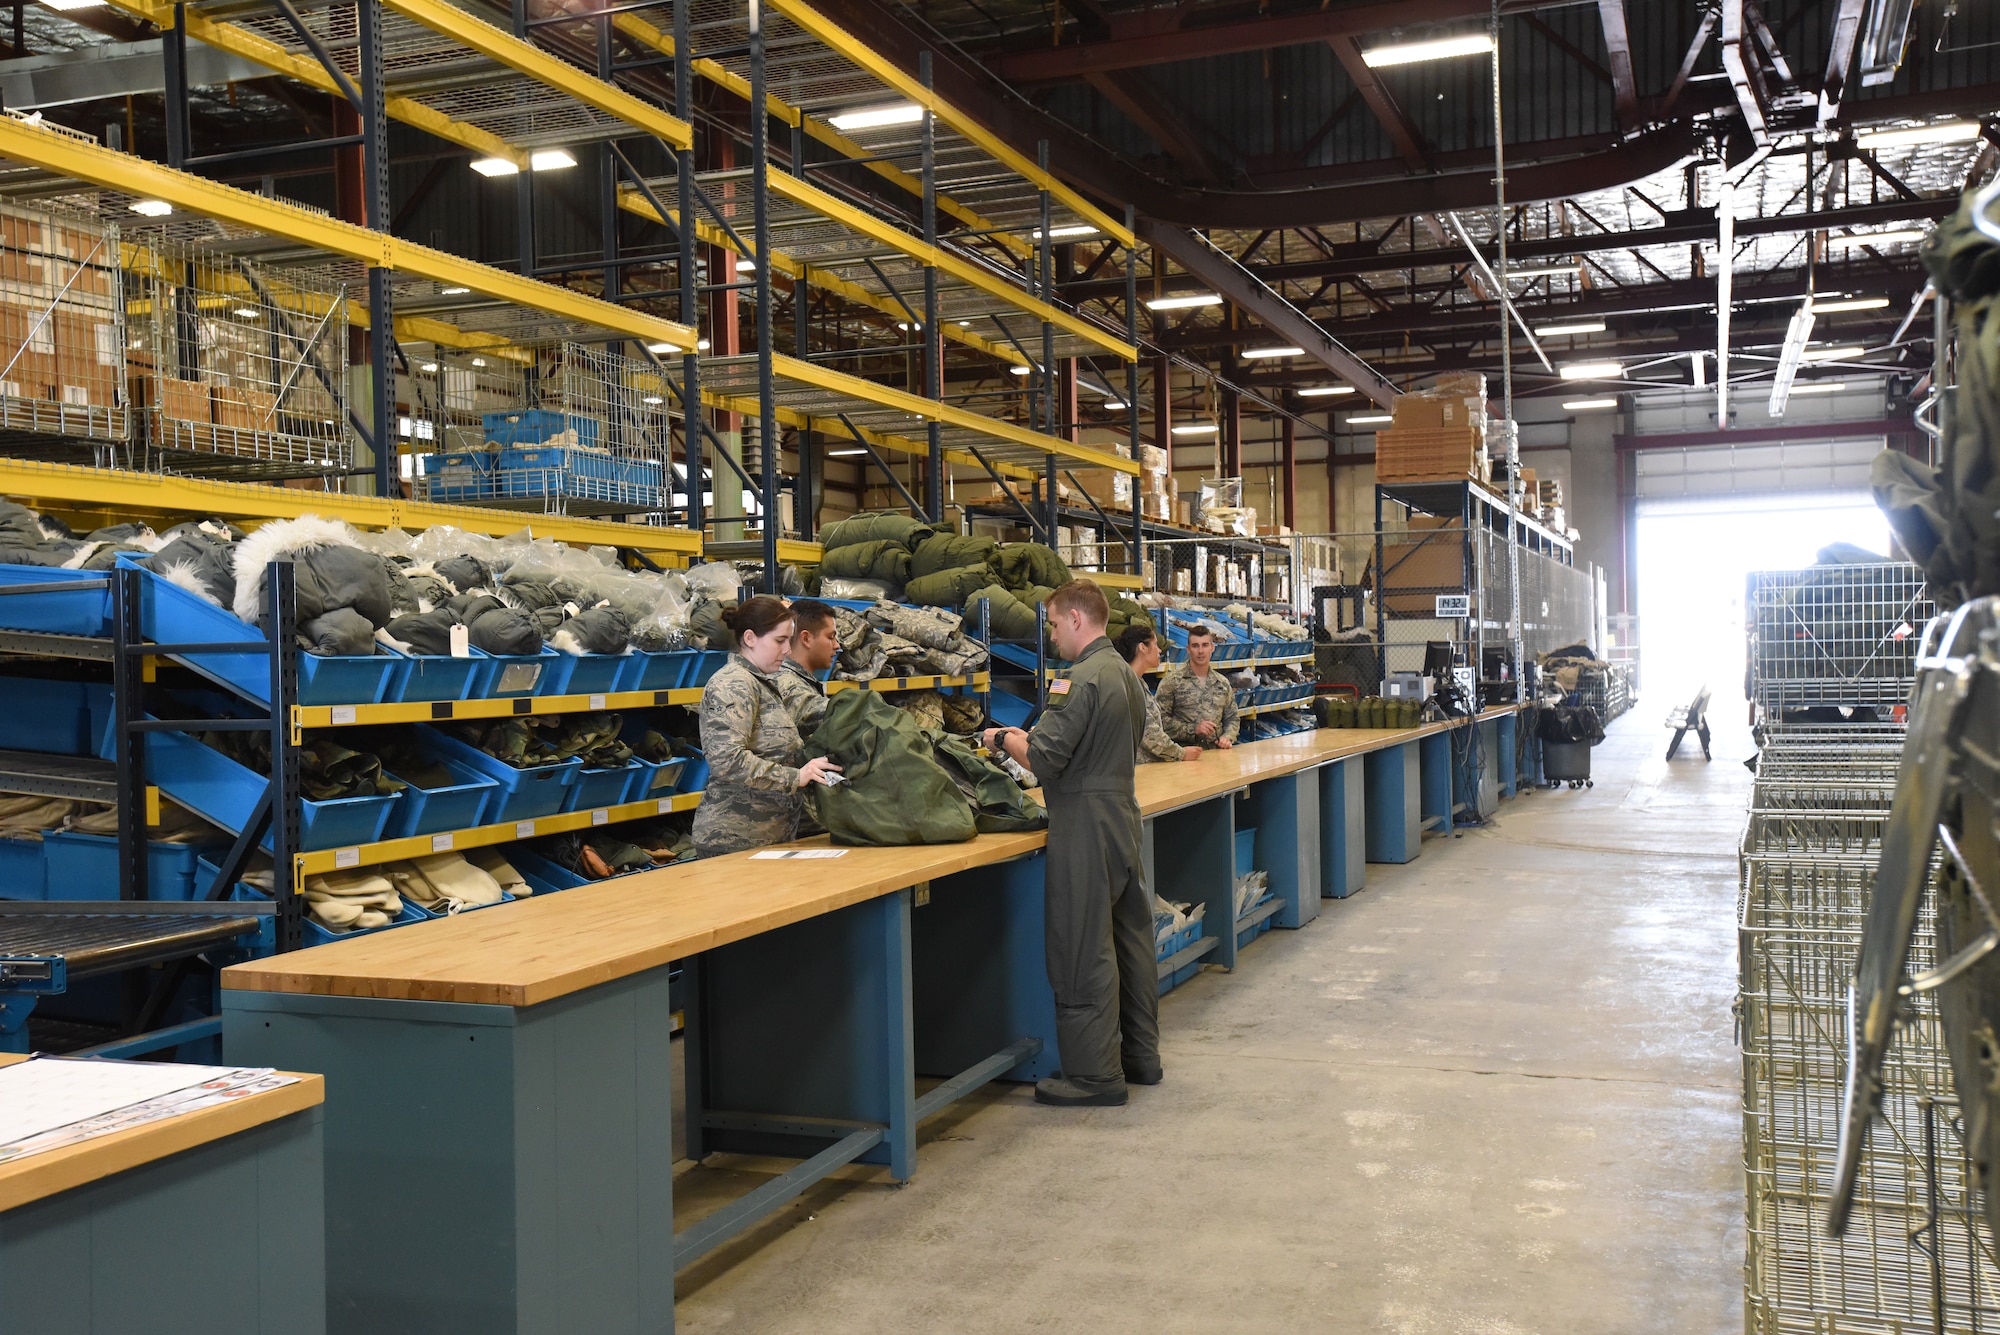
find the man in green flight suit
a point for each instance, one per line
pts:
(1102, 963)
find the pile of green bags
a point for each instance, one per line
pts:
(938, 569)
(1334, 711)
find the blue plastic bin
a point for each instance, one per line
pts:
(209, 783)
(23, 868)
(83, 610)
(519, 794)
(507, 675)
(584, 674)
(535, 425)
(461, 476)
(85, 866)
(650, 780)
(52, 717)
(1246, 851)
(707, 663)
(694, 772)
(599, 788)
(543, 876)
(427, 677)
(646, 671)
(442, 810)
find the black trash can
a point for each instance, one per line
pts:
(1566, 762)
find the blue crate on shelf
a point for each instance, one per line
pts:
(23, 868)
(694, 772)
(599, 788)
(1246, 935)
(54, 717)
(505, 675)
(457, 806)
(534, 425)
(648, 671)
(707, 663)
(652, 780)
(542, 875)
(85, 866)
(214, 786)
(584, 674)
(519, 794)
(465, 475)
(420, 678)
(1246, 851)
(82, 610)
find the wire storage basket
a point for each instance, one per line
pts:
(1835, 634)
(242, 368)
(62, 330)
(1916, 1256)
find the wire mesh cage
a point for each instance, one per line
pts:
(568, 429)
(62, 328)
(1835, 635)
(1916, 1255)
(241, 369)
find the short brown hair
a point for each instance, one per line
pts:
(1199, 631)
(1082, 595)
(811, 615)
(759, 616)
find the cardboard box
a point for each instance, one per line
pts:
(185, 400)
(1107, 487)
(1414, 412)
(1409, 455)
(1184, 513)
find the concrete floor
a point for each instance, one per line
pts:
(1495, 1092)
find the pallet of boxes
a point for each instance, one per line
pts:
(1438, 435)
(1549, 504)
(62, 344)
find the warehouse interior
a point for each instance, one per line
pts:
(1367, 630)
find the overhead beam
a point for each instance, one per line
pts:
(1746, 70)
(1126, 90)
(1618, 44)
(1258, 301)
(82, 159)
(1409, 144)
(1840, 57)
(115, 69)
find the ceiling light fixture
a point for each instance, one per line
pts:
(1443, 48)
(1576, 327)
(1261, 354)
(496, 166)
(1848, 304)
(1845, 352)
(1185, 302)
(701, 345)
(150, 208)
(1020, 370)
(1593, 371)
(1894, 236)
(1798, 334)
(1546, 271)
(1944, 132)
(746, 266)
(1585, 405)
(844, 454)
(479, 361)
(453, 291)
(551, 159)
(428, 367)
(1196, 429)
(1325, 391)
(874, 118)
(1113, 406)
(1820, 387)
(1058, 233)
(1370, 419)
(654, 400)
(64, 6)
(248, 313)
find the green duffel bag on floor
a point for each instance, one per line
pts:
(856, 529)
(1000, 806)
(879, 558)
(949, 551)
(947, 588)
(895, 791)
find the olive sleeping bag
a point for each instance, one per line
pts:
(1026, 564)
(879, 558)
(894, 791)
(949, 551)
(947, 588)
(897, 528)
(1008, 617)
(1000, 806)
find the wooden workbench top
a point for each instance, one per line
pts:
(39, 1176)
(530, 952)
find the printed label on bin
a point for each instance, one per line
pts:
(597, 702)
(524, 829)
(600, 817)
(440, 843)
(519, 677)
(346, 857)
(342, 714)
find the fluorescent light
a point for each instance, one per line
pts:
(1546, 271)
(67, 5)
(746, 266)
(453, 291)
(1579, 327)
(906, 327)
(248, 313)
(1184, 303)
(1410, 53)
(965, 324)
(1020, 370)
(1840, 354)
(701, 345)
(1593, 371)
(1058, 233)
(844, 454)
(496, 166)
(550, 159)
(428, 366)
(1849, 304)
(1325, 391)
(1113, 406)
(659, 347)
(1581, 405)
(1258, 354)
(1820, 387)
(871, 118)
(1944, 132)
(655, 400)
(1196, 429)
(479, 361)
(151, 208)
(1888, 238)
(1370, 419)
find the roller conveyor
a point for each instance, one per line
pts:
(45, 946)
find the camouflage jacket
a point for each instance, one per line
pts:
(805, 695)
(754, 753)
(1185, 700)
(1156, 745)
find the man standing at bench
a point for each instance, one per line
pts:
(1103, 966)
(1197, 703)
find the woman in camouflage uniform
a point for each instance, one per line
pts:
(757, 769)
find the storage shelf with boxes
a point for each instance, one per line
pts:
(1438, 434)
(62, 334)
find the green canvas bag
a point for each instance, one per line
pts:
(895, 792)
(1000, 806)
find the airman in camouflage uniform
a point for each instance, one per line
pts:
(1155, 745)
(1187, 700)
(754, 753)
(804, 694)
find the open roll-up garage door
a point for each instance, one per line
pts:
(1762, 469)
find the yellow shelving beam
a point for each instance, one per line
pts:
(84, 160)
(485, 836)
(126, 495)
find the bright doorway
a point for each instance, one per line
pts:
(1692, 559)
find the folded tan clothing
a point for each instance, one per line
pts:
(444, 883)
(177, 824)
(32, 815)
(494, 863)
(352, 900)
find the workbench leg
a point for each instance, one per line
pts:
(1343, 820)
(806, 1037)
(15, 1008)
(1285, 813)
(1503, 753)
(1435, 766)
(1474, 784)
(1194, 856)
(1395, 828)
(488, 1168)
(980, 971)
